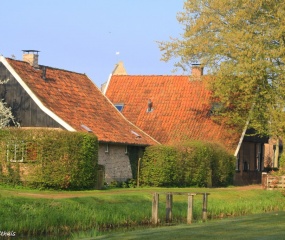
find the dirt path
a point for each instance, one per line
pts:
(73, 194)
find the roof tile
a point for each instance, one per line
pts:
(74, 98)
(181, 108)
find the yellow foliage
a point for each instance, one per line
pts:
(242, 45)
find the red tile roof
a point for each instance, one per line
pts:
(180, 108)
(74, 98)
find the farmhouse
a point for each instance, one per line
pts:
(177, 108)
(42, 96)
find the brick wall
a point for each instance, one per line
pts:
(116, 162)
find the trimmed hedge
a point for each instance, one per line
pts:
(194, 163)
(48, 158)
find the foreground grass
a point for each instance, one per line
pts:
(33, 213)
(258, 226)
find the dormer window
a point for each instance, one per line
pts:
(119, 106)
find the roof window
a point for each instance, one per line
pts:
(86, 128)
(136, 134)
(119, 106)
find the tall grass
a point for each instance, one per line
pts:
(111, 209)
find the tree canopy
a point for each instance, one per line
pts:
(6, 115)
(242, 45)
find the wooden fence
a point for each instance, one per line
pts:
(169, 203)
(271, 182)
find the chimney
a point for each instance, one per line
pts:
(119, 69)
(31, 57)
(44, 73)
(197, 70)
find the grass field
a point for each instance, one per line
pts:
(258, 226)
(89, 213)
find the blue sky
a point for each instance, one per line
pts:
(85, 35)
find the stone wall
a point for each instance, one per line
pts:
(116, 162)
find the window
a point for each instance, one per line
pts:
(119, 106)
(237, 161)
(216, 108)
(245, 166)
(15, 152)
(20, 151)
(107, 148)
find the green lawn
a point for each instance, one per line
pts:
(83, 214)
(257, 226)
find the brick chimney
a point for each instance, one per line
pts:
(197, 70)
(31, 57)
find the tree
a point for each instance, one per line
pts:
(6, 116)
(242, 44)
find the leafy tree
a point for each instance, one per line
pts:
(242, 44)
(6, 116)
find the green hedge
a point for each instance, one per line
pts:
(48, 158)
(188, 164)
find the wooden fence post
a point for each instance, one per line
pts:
(204, 209)
(190, 208)
(155, 202)
(169, 201)
(264, 180)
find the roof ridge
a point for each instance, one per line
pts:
(40, 65)
(61, 69)
(77, 103)
(152, 75)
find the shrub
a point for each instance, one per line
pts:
(158, 164)
(49, 158)
(192, 163)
